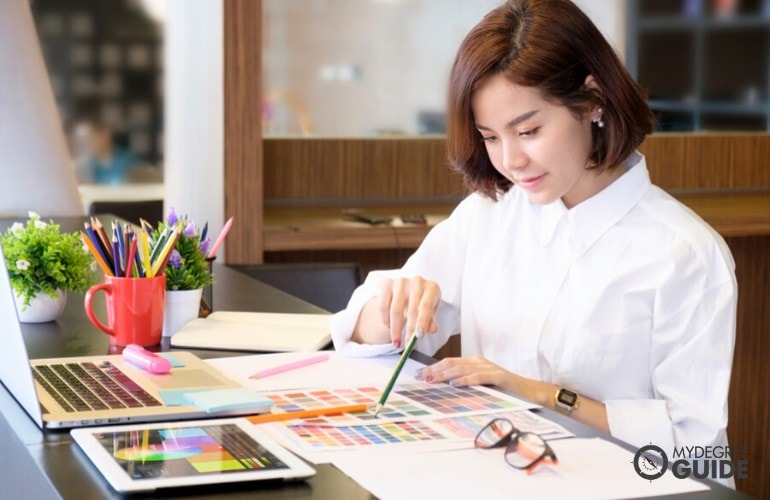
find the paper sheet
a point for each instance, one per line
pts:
(587, 469)
(338, 372)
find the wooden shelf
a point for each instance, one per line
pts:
(733, 213)
(327, 228)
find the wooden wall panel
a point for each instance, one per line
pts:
(243, 129)
(326, 170)
(709, 161)
(749, 402)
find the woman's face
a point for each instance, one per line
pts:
(540, 146)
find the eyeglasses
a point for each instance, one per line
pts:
(523, 450)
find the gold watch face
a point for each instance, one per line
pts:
(567, 398)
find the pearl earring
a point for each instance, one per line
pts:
(597, 118)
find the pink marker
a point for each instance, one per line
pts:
(142, 358)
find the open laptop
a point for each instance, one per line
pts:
(97, 390)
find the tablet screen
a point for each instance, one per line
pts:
(186, 451)
(151, 456)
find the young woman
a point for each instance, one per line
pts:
(573, 281)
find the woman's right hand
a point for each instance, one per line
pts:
(410, 302)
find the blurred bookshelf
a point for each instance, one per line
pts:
(105, 62)
(704, 63)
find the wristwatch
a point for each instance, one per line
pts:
(565, 401)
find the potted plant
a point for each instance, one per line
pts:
(187, 272)
(43, 264)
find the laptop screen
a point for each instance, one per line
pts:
(15, 371)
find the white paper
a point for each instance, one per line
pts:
(338, 372)
(587, 469)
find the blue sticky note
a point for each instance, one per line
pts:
(177, 397)
(175, 363)
(219, 400)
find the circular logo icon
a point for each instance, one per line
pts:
(650, 462)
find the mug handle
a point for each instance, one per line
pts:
(106, 288)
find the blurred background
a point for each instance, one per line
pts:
(379, 67)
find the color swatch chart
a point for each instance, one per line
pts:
(441, 433)
(406, 402)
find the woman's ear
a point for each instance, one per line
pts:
(590, 82)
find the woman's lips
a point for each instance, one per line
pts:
(530, 182)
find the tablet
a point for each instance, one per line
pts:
(146, 457)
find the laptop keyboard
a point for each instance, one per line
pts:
(88, 386)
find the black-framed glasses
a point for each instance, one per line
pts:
(523, 450)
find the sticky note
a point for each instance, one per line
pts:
(220, 400)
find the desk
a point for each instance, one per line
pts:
(47, 464)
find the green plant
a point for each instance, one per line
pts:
(42, 259)
(187, 268)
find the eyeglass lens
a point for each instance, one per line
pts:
(524, 450)
(495, 433)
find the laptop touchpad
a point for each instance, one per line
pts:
(187, 379)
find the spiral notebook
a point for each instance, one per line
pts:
(256, 331)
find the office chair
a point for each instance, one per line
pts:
(326, 285)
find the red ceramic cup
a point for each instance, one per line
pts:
(134, 309)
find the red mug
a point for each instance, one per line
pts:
(134, 309)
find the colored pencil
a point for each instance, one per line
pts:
(221, 238)
(131, 256)
(407, 351)
(291, 366)
(160, 263)
(317, 412)
(96, 253)
(116, 257)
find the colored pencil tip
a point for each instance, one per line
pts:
(378, 409)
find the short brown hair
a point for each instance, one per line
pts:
(553, 46)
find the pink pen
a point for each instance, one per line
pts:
(142, 358)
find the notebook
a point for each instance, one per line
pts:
(256, 331)
(93, 390)
(147, 457)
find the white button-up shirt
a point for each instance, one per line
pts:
(628, 298)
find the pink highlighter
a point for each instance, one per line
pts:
(142, 358)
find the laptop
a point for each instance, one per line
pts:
(63, 393)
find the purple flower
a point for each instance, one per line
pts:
(205, 245)
(172, 217)
(189, 231)
(175, 260)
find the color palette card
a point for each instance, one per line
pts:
(406, 402)
(421, 435)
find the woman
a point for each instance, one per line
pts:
(573, 282)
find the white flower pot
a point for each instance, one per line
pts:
(42, 308)
(179, 308)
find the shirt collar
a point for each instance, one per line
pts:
(593, 217)
(590, 219)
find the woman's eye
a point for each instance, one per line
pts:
(530, 132)
(489, 139)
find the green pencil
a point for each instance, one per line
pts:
(407, 351)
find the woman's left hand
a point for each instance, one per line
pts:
(474, 370)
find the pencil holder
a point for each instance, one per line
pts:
(207, 299)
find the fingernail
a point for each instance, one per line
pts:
(397, 343)
(418, 374)
(429, 378)
(419, 333)
(454, 382)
